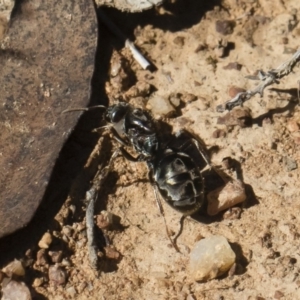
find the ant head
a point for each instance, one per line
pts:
(117, 112)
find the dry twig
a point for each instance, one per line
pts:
(267, 79)
(137, 55)
(91, 197)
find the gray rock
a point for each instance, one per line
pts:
(210, 258)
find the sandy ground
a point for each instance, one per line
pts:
(192, 62)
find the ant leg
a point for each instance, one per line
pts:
(121, 141)
(128, 156)
(183, 217)
(161, 210)
(202, 151)
(117, 137)
(207, 160)
(192, 140)
(195, 142)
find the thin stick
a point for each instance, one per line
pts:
(268, 78)
(137, 55)
(91, 197)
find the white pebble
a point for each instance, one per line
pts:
(210, 258)
(160, 107)
(15, 290)
(45, 241)
(14, 268)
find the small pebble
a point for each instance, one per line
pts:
(160, 106)
(200, 47)
(210, 258)
(284, 40)
(90, 286)
(141, 89)
(234, 90)
(104, 220)
(222, 198)
(81, 226)
(66, 262)
(14, 268)
(219, 133)
(28, 253)
(225, 27)
(233, 213)
(211, 41)
(188, 98)
(278, 295)
(290, 163)
(289, 50)
(232, 270)
(233, 66)
(81, 287)
(219, 52)
(175, 99)
(45, 241)
(2, 276)
(292, 126)
(15, 291)
(111, 252)
(67, 230)
(72, 208)
(57, 275)
(71, 291)
(38, 282)
(190, 297)
(296, 137)
(41, 257)
(115, 67)
(56, 256)
(179, 41)
(240, 116)
(81, 242)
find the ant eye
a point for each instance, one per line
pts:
(137, 112)
(140, 114)
(116, 114)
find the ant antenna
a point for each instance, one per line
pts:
(83, 109)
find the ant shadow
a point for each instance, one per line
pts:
(241, 264)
